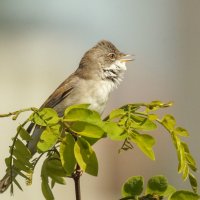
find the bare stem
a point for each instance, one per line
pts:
(15, 114)
(76, 176)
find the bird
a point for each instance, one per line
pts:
(100, 71)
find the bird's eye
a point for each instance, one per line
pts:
(111, 56)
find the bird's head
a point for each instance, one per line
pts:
(104, 61)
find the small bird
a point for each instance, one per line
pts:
(101, 69)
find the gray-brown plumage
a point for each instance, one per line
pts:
(100, 71)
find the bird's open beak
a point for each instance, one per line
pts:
(126, 58)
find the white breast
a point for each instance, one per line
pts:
(93, 92)
(96, 93)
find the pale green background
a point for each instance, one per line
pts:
(41, 43)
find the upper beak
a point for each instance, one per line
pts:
(126, 58)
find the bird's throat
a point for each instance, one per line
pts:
(114, 72)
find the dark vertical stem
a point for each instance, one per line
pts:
(76, 177)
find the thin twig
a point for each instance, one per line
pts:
(15, 114)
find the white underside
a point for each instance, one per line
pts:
(92, 92)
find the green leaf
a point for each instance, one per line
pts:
(117, 113)
(152, 117)
(181, 158)
(75, 106)
(7, 162)
(169, 122)
(185, 146)
(85, 122)
(142, 123)
(114, 131)
(17, 184)
(45, 117)
(180, 152)
(57, 179)
(184, 195)
(185, 172)
(52, 183)
(20, 165)
(23, 133)
(157, 185)
(123, 121)
(155, 105)
(17, 171)
(11, 189)
(86, 157)
(191, 162)
(87, 129)
(49, 137)
(189, 158)
(67, 154)
(181, 131)
(184, 158)
(193, 182)
(145, 143)
(133, 186)
(46, 190)
(176, 141)
(82, 115)
(19, 156)
(92, 141)
(169, 191)
(54, 166)
(20, 147)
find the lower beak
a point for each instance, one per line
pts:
(126, 58)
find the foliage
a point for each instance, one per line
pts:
(67, 144)
(157, 189)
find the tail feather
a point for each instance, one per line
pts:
(5, 183)
(32, 144)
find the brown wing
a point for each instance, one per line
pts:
(61, 92)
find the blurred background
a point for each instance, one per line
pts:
(42, 42)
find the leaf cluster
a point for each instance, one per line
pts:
(157, 188)
(137, 119)
(185, 158)
(67, 144)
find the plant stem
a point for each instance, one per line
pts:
(15, 114)
(76, 176)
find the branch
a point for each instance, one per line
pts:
(15, 114)
(76, 176)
